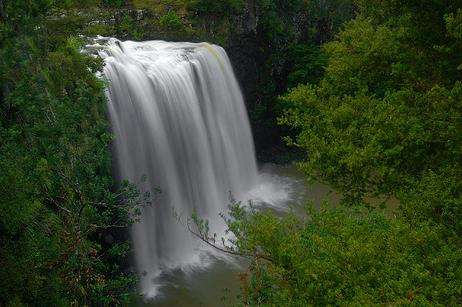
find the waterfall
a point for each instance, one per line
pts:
(180, 122)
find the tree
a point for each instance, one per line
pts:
(58, 201)
(387, 110)
(344, 255)
(385, 118)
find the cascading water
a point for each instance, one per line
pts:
(179, 120)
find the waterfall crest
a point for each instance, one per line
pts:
(180, 121)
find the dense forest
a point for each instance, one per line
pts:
(364, 95)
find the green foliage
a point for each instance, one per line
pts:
(347, 256)
(437, 195)
(289, 37)
(384, 113)
(212, 8)
(58, 199)
(308, 64)
(114, 3)
(129, 27)
(385, 118)
(171, 21)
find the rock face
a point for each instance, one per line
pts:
(242, 49)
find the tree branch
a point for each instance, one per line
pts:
(206, 240)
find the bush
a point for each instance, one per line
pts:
(344, 255)
(171, 21)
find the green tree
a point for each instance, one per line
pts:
(385, 119)
(62, 219)
(289, 36)
(387, 110)
(345, 256)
